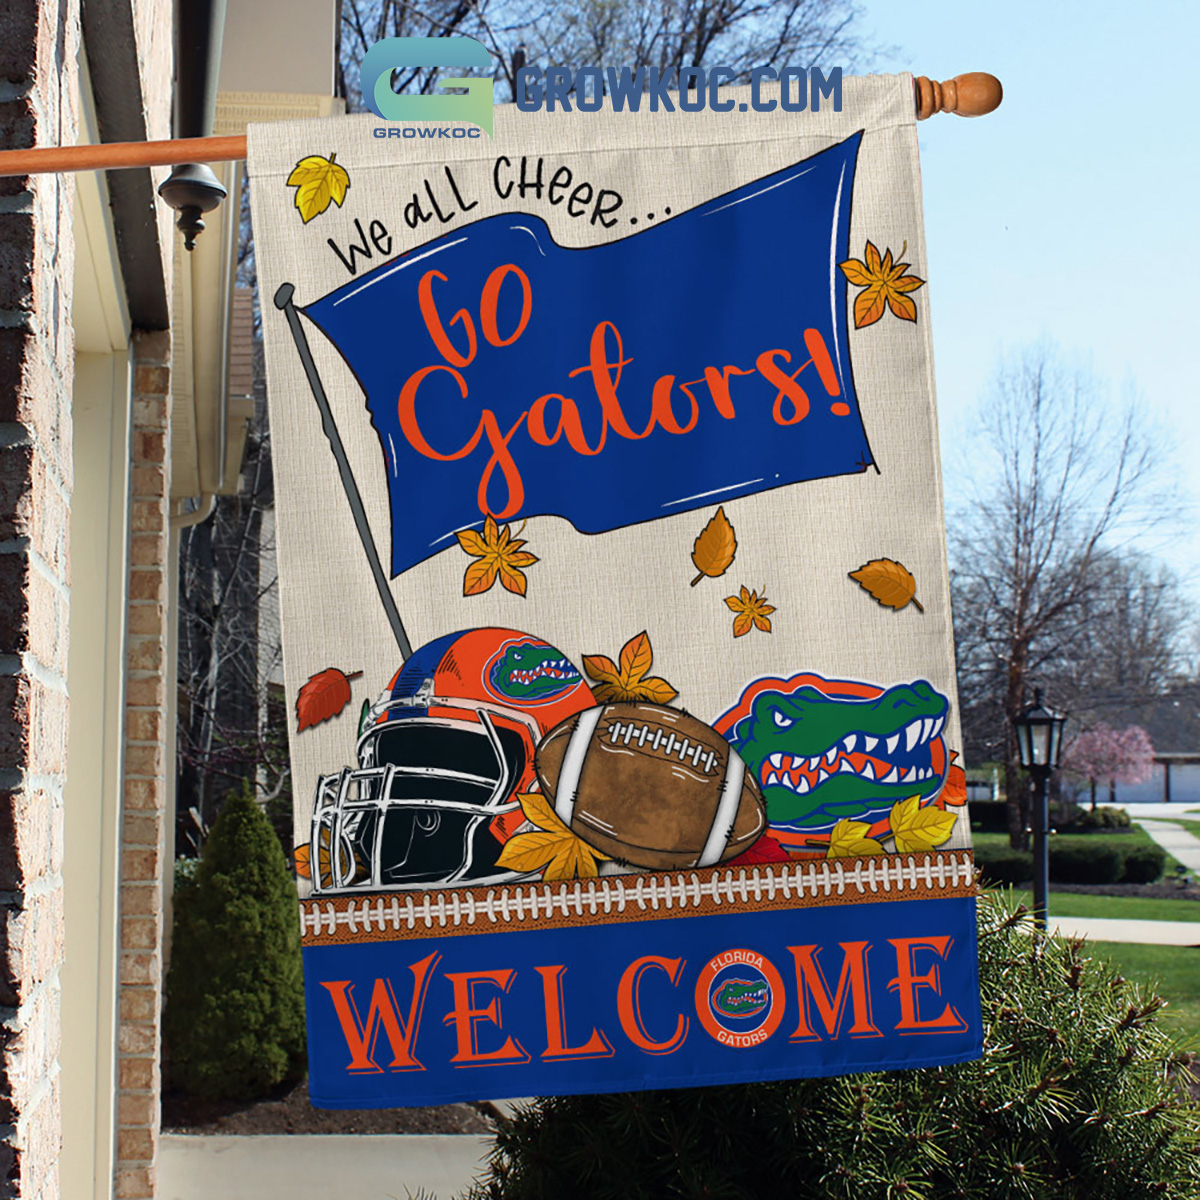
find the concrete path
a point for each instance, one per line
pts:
(1112, 929)
(1174, 839)
(319, 1167)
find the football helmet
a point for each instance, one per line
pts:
(442, 755)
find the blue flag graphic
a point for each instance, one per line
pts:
(700, 358)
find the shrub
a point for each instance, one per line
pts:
(1066, 814)
(1143, 864)
(1002, 864)
(1073, 1098)
(234, 1020)
(989, 816)
(1085, 862)
(1104, 817)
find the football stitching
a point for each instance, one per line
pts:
(624, 732)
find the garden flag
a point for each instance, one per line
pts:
(617, 642)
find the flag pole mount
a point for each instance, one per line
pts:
(283, 301)
(974, 94)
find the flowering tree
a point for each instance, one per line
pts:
(1124, 756)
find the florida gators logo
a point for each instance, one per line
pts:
(529, 671)
(739, 999)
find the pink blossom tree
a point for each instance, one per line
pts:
(1104, 753)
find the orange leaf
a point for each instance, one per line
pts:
(601, 668)
(714, 549)
(753, 612)
(636, 658)
(902, 306)
(499, 555)
(322, 697)
(889, 582)
(479, 577)
(869, 306)
(742, 624)
(955, 791)
(301, 858)
(656, 691)
(472, 542)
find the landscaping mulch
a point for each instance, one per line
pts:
(290, 1111)
(1165, 890)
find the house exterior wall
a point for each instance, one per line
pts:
(38, 74)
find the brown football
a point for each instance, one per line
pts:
(651, 786)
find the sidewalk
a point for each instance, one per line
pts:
(1112, 929)
(366, 1167)
(1174, 839)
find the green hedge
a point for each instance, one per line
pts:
(1089, 860)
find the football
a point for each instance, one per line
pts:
(651, 786)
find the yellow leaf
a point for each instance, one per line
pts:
(499, 555)
(889, 582)
(714, 549)
(849, 840)
(538, 811)
(529, 851)
(915, 828)
(753, 612)
(884, 286)
(628, 683)
(319, 182)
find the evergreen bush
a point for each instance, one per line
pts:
(1077, 1097)
(1086, 862)
(1003, 864)
(234, 1020)
(1144, 864)
(1104, 817)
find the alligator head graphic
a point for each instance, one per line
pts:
(531, 672)
(741, 997)
(826, 749)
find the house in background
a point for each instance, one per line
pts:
(118, 427)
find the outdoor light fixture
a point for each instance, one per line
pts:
(1039, 733)
(192, 190)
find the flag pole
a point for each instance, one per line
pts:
(971, 95)
(283, 301)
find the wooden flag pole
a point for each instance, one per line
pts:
(972, 95)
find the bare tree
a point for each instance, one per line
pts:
(1036, 553)
(660, 34)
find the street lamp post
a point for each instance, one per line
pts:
(1039, 743)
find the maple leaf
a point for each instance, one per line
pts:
(954, 793)
(301, 857)
(849, 840)
(319, 182)
(628, 682)
(552, 846)
(323, 696)
(916, 828)
(889, 582)
(499, 554)
(713, 551)
(752, 610)
(886, 285)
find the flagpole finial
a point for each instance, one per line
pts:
(974, 94)
(284, 294)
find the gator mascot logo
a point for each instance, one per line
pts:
(530, 671)
(824, 749)
(741, 998)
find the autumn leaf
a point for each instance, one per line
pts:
(552, 845)
(764, 849)
(916, 828)
(885, 285)
(849, 839)
(714, 549)
(499, 554)
(629, 681)
(954, 793)
(301, 858)
(752, 610)
(323, 696)
(889, 582)
(319, 182)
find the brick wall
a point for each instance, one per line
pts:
(144, 816)
(38, 45)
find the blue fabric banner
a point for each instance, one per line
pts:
(700, 359)
(657, 1003)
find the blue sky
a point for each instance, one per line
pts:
(1071, 213)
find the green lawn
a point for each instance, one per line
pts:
(1126, 908)
(1176, 971)
(1193, 827)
